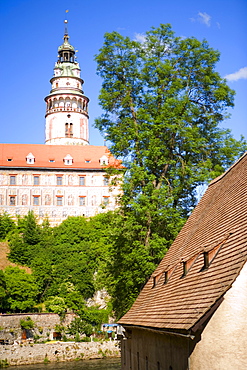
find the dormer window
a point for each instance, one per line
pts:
(188, 264)
(210, 253)
(30, 158)
(87, 160)
(104, 160)
(68, 160)
(168, 273)
(156, 279)
(9, 159)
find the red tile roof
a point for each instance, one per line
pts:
(218, 225)
(56, 153)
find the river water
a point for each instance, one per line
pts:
(105, 364)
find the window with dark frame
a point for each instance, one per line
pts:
(82, 201)
(59, 201)
(36, 180)
(36, 200)
(82, 180)
(12, 180)
(105, 201)
(68, 129)
(59, 180)
(106, 181)
(12, 201)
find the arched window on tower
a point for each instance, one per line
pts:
(68, 129)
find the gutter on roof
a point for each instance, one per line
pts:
(160, 331)
(52, 168)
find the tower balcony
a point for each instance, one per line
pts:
(65, 109)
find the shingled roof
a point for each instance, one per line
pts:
(52, 156)
(202, 263)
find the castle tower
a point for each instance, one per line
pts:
(66, 105)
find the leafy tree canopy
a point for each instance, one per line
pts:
(21, 290)
(6, 225)
(163, 101)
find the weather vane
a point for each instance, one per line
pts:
(66, 22)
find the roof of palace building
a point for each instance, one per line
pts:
(88, 157)
(202, 263)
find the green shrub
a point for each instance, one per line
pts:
(27, 323)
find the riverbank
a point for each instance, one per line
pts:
(27, 354)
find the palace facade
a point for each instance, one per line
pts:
(65, 176)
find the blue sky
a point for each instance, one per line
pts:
(32, 31)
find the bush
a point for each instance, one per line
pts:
(27, 323)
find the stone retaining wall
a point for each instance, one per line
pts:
(57, 351)
(45, 324)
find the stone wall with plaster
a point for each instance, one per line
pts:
(44, 326)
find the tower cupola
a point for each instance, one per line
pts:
(66, 52)
(66, 105)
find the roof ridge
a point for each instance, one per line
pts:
(228, 170)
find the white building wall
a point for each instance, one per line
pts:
(94, 193)
(223, 344)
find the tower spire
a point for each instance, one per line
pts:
(66, 28)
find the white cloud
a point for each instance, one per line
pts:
(204, 18)
(140, 37)
(239, 75)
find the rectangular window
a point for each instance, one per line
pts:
(12, 201)
(59, 201)
(36, 200)
(106, 181)
(82, 180)
(12, 180)
(59, 180)
(82, 201)
(36, 180)
(105, 201)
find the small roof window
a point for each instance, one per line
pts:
(30, 158)
(68, 160)
(87, 160)
(104, 160)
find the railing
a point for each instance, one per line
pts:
(67, 109)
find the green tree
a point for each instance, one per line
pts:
(21, 290)
(163, 101)
(2, 291)
(23, 242)
(6, 225)
(56, 304)
(32, 231)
